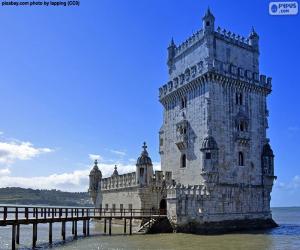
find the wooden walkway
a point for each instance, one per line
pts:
(15, 216)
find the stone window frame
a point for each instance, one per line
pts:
(241, 159)
(183, 161)
(183, 102)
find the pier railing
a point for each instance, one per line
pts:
(21, 215)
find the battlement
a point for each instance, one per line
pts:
(233, 38)
(192, 40)
(220, 33)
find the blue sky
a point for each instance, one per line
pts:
(82, 82)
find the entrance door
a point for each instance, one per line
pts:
(163, 207)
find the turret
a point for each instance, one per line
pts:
(171, 52)
(267, 160)
(210, 159)
(253, 39)
(144, 168)
(208, 22)
(95, 179)
(115, 173)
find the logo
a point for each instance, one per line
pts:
(283, 8)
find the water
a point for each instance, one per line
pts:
(286, 236)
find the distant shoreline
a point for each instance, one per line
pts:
(36, 197)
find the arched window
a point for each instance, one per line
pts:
(183, 102)
(183, 161)
(241, 159)
(241, 99)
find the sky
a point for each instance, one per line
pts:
(81, 83)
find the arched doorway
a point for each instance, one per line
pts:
(163, 207)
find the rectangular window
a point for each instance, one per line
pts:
(130, 206)
(161, 142)
(106, 206)
(114, 207)
(121, 207)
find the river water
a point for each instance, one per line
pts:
(286, 236)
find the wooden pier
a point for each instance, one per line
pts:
(15, 216)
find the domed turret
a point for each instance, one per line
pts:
(210, 159)
(115, 173)
(267, 150)
(144, 159)
(144, 168)
(95, 178)
(209, 143)
(267, 158)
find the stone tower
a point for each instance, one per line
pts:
(95, 181)
(144, 168)
(215, 119)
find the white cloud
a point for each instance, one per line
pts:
(76, 181)
(4, 172)
(118, 152)
(16, 150)
(1, 133)
(95, 157)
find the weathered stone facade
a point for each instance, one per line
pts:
(217, 164)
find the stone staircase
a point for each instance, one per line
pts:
(144, 228)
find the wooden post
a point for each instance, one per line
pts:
(105, 225)
(130, 226)
(125, 226)
(63, 230)
(18, 234)
(109, 226)
(34, 235)
(5, 214)
(50, 233)
(88, 227)
(75, 232)
(13, 237)
(73, 227)
(26, 213)
(84, 227)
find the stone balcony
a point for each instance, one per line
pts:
(182, 142)
(243, 137)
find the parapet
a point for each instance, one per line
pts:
(233, 38)
(119, 181)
